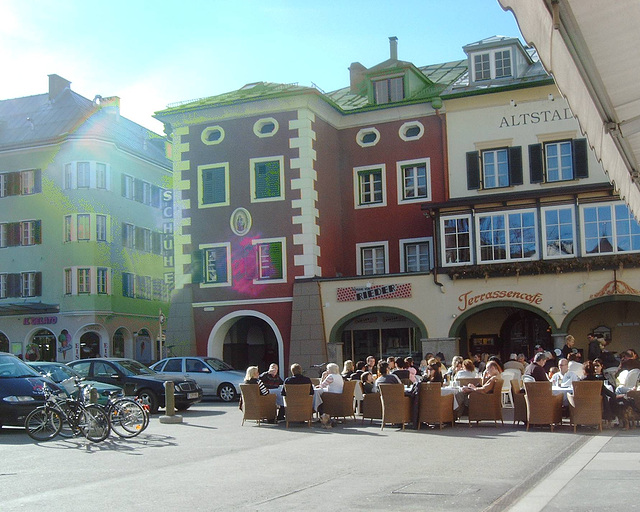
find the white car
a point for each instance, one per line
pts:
(215, 377)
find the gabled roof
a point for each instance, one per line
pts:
(36, 120)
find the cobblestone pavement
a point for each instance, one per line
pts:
(210, 462)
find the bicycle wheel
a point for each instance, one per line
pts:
(94, 423)
(43, 424)
(127, 418)
(69, 423)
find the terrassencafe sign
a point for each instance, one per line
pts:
(468, 299)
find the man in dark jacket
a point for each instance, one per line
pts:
(536, 368)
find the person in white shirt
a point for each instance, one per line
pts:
(564, 378)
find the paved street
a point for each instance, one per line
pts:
(210, 462)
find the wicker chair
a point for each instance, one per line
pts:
(340, 405)
(371, 407)
(585, 403)
(543, 407)
(298, 403)
(396, 407)
(434, 408)
(519, 403)
(486, 406)
(255, 406)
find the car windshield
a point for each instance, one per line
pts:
(217, 364)
(12, 367)
(130, 367)
(57, 373)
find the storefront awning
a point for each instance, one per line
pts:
(591, 49)
(28, 308)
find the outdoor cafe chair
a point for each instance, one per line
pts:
(486, 406)
(298, 403)
(340, 405)
(585, 403)
(371, 407)
(396, 407)
(543, 407)
(257, 407)
(434, 408)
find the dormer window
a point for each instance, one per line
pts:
(492, 64)
(389, 90)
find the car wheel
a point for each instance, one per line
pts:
(149, 398)
(227, 392)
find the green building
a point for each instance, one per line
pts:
(86, 261)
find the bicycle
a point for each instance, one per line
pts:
(48, 420)
(127, 416)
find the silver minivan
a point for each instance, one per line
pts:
(215, 377)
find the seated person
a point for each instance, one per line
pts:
(492, 374)
(400, 370)
(535, 369)
(385, 376)
(367, 382)
(347, 369)
(575, 365)
(412, 370)
(332, 381)
(434, 371)
(270, 378)
(564, 378)
(298, 378)
(360, 369)
(468, 370)
(456, 366)
(252, 377)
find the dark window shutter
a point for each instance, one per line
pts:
(123, 185)
(13, 184)
(37, 181)
(138, 188)
(580, 158)
(515, 165)
(207, 186)
(197, 266)
(37, 232)
(473, 170)
(38, 284)
(124, 235)
(139, 238)
(221, 264)
(267, 175)
(213, 186)
(156, 242)
(155, 196)
(13, 234)
(536, 164)
(125, 284)
(13, 285)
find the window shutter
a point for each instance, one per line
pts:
(138, 189)
(38, 284)
(219, 191)
(580, 158)
(515, 165)
(221, 264)
(207, 186)
(155, 196)
(473, 170)
(536, 164)
(123, 184)
(196, 266)
(13, 234)
(37, 181)
(37, 232)
(125, 284)
(267, 179)
(13, 184)
(275, 257)
(13, 285)
(156, 242)
(124, 234)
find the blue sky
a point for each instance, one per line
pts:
(152, 53)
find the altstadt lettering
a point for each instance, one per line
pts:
(543, 116)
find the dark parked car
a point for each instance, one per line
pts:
(20, 390)
(215, 377)
(66, 377)
(146, 384)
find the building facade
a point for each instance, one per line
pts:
(83, 192)
(453, 207)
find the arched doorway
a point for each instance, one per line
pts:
(42, 346)
(4, 343)
(250, 341)
(381, 334)
(522, 331)
(89, 345)
(117, 347)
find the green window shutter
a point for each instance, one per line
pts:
(37, 232)
(213, 186)
(221, 264)
(13, 234)
(125, 284)
(38, 284)
(536, 166)
(473, 170)
(123, 185)
(267, 178)
(197, 269)
(580, 159)
(138, 190)
(37, 181)
(13, 184)
(275, 258)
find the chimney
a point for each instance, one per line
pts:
(111, 105)
(393, 48)
(356, 75)
(57, 84)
